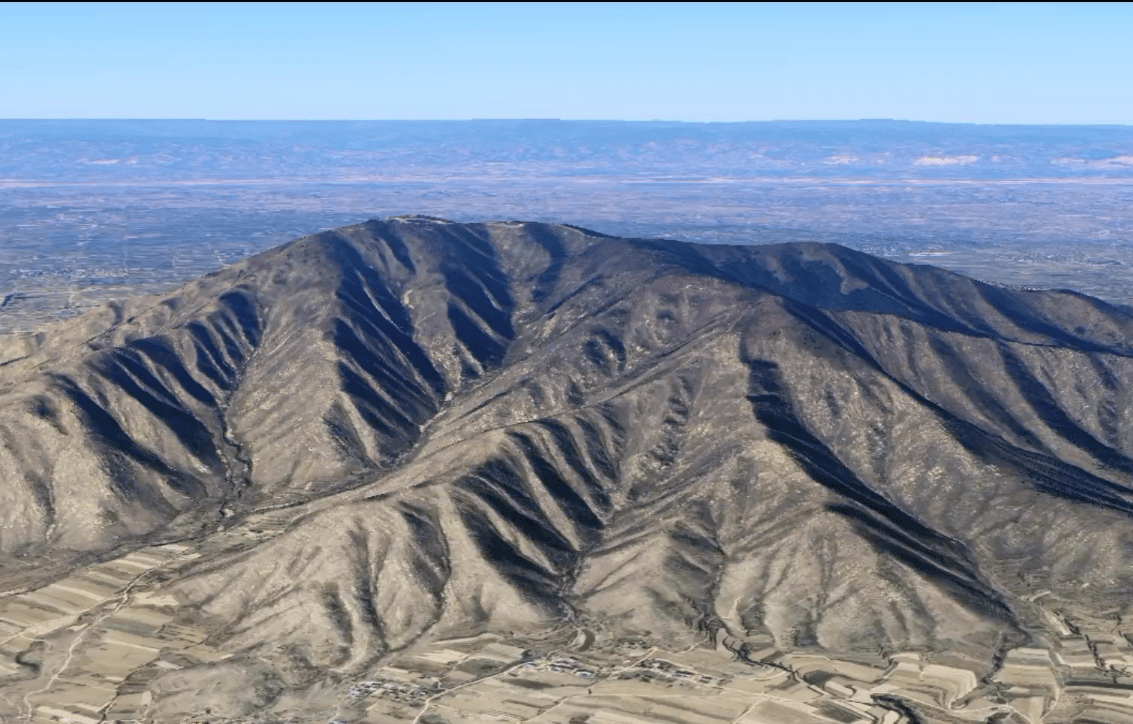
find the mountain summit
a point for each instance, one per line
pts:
(457, 428)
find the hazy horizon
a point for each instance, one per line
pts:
(205, 119)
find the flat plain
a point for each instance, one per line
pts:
(91, 211)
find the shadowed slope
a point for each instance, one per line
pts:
(499, 425)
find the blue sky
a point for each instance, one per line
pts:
(998, 63)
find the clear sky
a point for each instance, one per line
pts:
(1027, 63)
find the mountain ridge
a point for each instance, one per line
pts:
(476, 426)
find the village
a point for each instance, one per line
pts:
(1086, 675)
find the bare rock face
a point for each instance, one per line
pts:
(492, 426)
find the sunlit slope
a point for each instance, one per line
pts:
(513, 424)
(278, 378)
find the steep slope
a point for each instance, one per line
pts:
(517, 425)
(280, 377)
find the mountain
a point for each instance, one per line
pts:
(514, 426)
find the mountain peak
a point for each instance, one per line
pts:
(460, 427)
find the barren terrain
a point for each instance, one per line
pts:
(417, 470)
